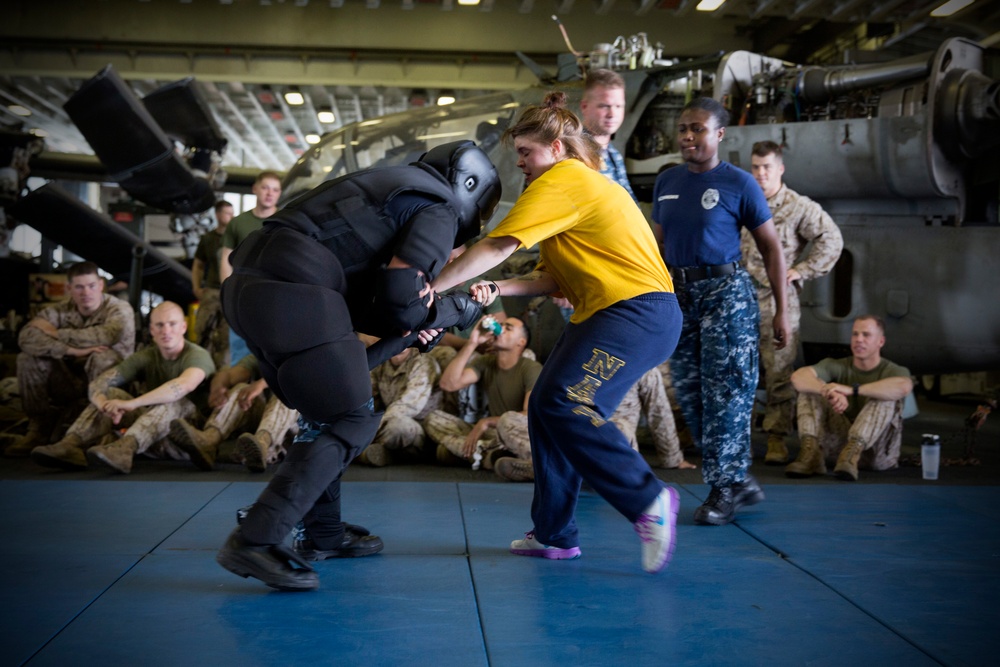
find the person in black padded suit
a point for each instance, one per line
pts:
(353, 255)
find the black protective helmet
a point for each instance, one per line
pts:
(474, 180)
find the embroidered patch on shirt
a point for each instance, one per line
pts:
(662, 197)
(710, 199)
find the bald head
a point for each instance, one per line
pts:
(168, 326)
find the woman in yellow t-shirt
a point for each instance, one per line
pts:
(598, 251)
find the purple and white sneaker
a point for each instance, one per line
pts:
(657, 526)
(529, 546)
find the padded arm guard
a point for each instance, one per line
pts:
(397, 302)
(455, 309)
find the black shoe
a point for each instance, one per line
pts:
(272, 564)
(357, 542)
(747, 492)
(719, 509)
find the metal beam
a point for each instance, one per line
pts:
(803, 7)
(761, 7)
(883, 9)
(645, 6)
(843, 7)
(165, 63)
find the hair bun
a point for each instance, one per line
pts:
(555, 100)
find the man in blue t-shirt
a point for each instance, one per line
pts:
(851, 409)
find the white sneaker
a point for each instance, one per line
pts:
(657, 526)
(529, 546)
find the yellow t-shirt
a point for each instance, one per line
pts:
(594, 240)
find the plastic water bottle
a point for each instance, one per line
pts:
(930, 455)
(491, 325)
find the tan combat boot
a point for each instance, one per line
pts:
(847, 463)
(21, 448)
(444, 457)
(515, 470)
(810, 460)
(67, 454)
(777, 451)
(253, 449)
(116, 455)
(201, 446)
(375, 455)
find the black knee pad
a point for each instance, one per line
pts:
(326, 381)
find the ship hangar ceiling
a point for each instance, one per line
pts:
(361, 59)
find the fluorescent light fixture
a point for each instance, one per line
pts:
(18, 110)
(312, 138)
(325, 115)
(445, 100)
(709, 5)
(294, 97)
(442, 135)
(468, 2)
(950, 7)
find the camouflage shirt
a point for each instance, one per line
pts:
(112, 325)
(797, 221)
(405, 391)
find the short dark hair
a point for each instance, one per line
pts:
(765, 148)
(879, 322)
(527, 334)
(708, 104)
(222, 203)
(82, 269)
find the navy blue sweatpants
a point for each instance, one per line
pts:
(589, 371)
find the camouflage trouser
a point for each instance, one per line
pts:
(879, 427)
(265, 414)
(511, 433)
(148, 425)
(49, 386)
(715, 372)
(650, 395)
(280, 421)
(210, 327)
(400, 432)
(778, 364)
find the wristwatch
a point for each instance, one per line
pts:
(855, 386)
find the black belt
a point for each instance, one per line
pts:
(690, 274)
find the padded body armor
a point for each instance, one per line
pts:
(307, 280)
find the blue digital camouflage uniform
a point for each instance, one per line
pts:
(715, 371)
